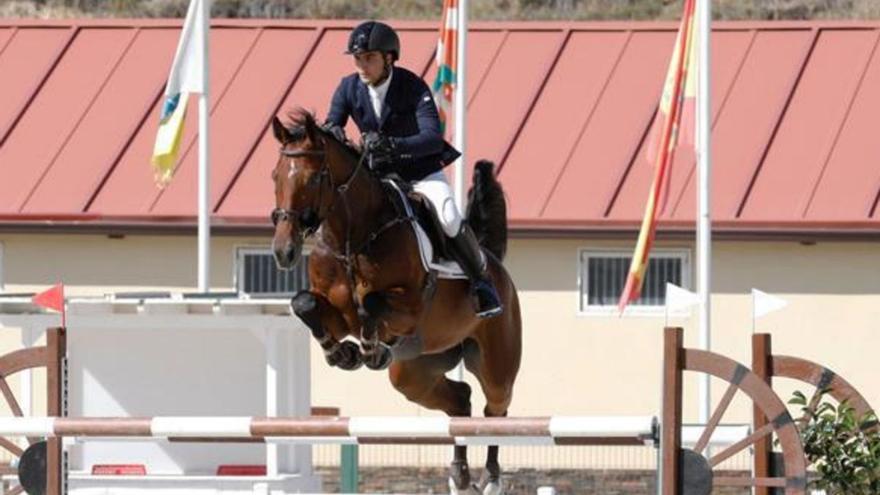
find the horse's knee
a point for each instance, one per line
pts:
(305, 306)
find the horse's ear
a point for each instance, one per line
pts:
(280, 131)
(311, 128)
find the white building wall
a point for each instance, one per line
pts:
(572, 364)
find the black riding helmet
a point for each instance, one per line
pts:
(374, 36)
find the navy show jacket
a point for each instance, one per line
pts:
(409, 117)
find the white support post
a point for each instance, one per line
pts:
(204, 205)
(704, 223)
(273, 364)
(29, 336)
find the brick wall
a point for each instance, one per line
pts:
(400, 480)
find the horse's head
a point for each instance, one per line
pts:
(301, 183)
(311, 165)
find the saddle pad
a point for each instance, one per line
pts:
(446, 269)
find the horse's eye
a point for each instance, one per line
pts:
(314, 180)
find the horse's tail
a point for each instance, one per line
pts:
(487, 209)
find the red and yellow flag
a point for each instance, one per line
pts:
(447, 61)
(675, 119)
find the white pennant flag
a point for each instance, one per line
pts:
(764, 304)
(678, 299)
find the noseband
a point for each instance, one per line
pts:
(308, 218)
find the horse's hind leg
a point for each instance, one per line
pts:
(494, 357)
(328, 327)
(423, 381)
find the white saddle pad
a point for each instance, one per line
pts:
(446, 269)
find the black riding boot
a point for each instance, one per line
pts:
(466, 251)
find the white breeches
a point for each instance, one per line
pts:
(436, 188)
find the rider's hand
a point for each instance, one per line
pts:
(336, 130)
(380, 150)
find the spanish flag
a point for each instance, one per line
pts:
(187, 76)
(675, 120)
(447, 60)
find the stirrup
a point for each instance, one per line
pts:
(489, 313)
(495, 308)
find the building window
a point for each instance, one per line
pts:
(602, 276)
(257, 275)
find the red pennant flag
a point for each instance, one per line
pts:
(52, 298)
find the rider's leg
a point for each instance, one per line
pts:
(463, 243)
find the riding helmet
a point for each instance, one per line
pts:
(374, 36)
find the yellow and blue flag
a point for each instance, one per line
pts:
(187, 76)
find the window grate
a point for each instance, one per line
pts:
(603, 276)
(258, 276)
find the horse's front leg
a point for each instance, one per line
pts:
(328, 327)
(396, 311)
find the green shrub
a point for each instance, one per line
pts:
(842, 448)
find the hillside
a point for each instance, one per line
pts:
(430, 9)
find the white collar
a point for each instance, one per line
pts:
(380, 90)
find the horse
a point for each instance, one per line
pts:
(367, 282)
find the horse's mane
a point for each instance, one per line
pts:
(301, 122)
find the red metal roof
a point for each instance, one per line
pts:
(563, 108)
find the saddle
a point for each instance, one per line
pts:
(427, 228)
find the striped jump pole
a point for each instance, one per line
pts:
(556, 430)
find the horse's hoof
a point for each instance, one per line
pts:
(493, 488)
(379, 359)
(347, 356)
(490, 481)
(470, 489)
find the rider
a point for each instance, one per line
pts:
(395, 111)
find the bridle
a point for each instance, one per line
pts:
(310, 218)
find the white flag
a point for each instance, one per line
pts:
(764, 304)
(187, 76)
(186, 71)
(678, 299)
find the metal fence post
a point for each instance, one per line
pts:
(348, 467)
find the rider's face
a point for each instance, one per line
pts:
(370, 67)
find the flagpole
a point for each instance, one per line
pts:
(204, 241)
(461, 101)
(460, 118)
(704, 225)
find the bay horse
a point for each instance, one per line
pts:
(368, 283)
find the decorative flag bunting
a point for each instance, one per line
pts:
(447, 60)
(187, 76)
(680, 86)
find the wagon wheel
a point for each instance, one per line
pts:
(21, 360)
(821, 378)
(698, 470)
(35, 453)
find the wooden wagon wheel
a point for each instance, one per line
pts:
(693, 474)
(767, 366)
(49, 357)
(821, 378)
